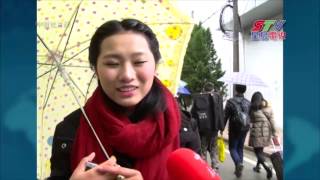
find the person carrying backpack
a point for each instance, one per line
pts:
(207, 109)
(237, 112)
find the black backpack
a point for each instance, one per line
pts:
(202, 111)
(241, 115)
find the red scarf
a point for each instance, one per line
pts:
(149, 142)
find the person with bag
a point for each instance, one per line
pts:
(221, 149)
(237, 113)
(277, 157)
(262, 130)
(207, 109)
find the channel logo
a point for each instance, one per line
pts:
(265, 30)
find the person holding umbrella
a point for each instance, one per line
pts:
(237, 112)
(131, 114)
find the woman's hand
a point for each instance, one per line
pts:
(275, 140)
(108, 170)
(128, 174)
(96, 173)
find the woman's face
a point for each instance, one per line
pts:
(125, 68)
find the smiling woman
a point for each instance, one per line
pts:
(125, 68)
(131, 114)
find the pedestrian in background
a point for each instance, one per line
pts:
(262, 130)
(237, 113)
(189, 134)
(208, 110)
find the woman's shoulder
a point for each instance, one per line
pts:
(258, 113)
(267, 110)
(73, 116)
(70, 124)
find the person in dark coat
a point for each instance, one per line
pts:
(236, 134)
(262, 130)
(210, 130)
(189, 134)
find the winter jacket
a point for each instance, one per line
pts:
(62, 145)
(189, 134)
(262, 127)
(218, 111)
(211, 104)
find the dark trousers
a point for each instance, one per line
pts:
(260, 157)
(259, 154)
(209, 143)
(236, 144)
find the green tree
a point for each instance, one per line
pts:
(201, 64)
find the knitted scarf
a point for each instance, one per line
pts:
(149, 142)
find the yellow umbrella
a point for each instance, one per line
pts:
(64, 30)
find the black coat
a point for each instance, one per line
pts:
(189, 134)
(218, 111)
(212, 105)
(63, 138)
(61, 147)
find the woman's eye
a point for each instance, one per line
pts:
(139, 62)
(111, 64)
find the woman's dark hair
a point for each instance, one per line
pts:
(154, 100)
(240, 88)
(257, 102)
(114, 27)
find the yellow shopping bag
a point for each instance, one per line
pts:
(221, 149)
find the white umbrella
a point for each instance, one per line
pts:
(242, 78)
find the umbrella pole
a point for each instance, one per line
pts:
(236, 26)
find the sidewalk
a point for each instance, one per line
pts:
(268, 150)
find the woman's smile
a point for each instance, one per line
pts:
(127, 91)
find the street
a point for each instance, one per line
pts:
(226, 169)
